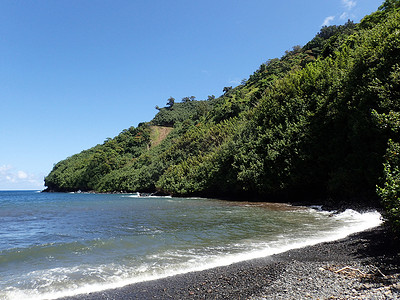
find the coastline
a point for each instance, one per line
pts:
(362, 265)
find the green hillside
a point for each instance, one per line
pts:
(321, 123)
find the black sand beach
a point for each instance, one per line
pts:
(365, 265)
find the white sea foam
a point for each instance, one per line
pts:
(138, 195)
(52, 284)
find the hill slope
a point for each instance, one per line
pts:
(321, 122)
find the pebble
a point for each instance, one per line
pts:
(306, 273)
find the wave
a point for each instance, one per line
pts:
(138, 195)
(61, 282)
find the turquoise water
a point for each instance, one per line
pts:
(53, 245)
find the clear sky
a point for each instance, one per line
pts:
(75, 72)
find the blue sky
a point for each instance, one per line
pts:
(75, 72)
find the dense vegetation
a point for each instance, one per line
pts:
(320, 123)
(179, 112)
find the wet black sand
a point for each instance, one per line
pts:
(365, 265)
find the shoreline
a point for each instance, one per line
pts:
(362, 265)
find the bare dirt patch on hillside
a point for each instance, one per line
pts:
(158, 134)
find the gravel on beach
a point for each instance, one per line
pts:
(365, 265)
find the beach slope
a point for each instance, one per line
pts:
(364, 265)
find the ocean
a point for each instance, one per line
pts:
(62, 244)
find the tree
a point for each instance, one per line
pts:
(389, 5)
(171, 102)
(188, 99)
(227, 89)
(389, 189)
(202, 109)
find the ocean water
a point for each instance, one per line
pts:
(54, 245)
